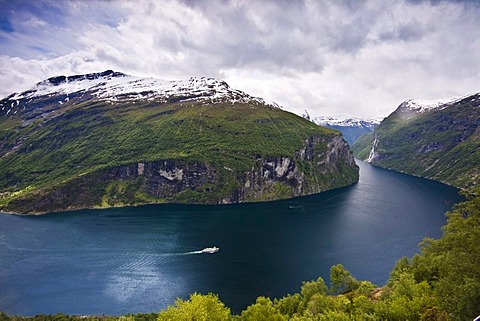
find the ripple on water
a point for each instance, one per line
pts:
(118, 261)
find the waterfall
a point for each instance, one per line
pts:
(371, 156)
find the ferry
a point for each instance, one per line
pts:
(210, 250)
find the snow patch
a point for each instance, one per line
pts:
(424, 105)
(110, 86)
(345, 121)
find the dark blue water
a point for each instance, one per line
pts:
(133, 260)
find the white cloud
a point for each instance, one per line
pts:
(348, 57)
(18, 75)
(34, 22)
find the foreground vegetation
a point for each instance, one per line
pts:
(440, 283)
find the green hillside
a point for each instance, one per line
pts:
(71, 156)
(442, 144)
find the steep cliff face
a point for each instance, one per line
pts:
(108, 139)
(322, 164)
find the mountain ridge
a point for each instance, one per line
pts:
(350, 127)
(113, 86)
(347, 121)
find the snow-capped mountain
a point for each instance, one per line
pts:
(423, 105)
(436, 139)
(113, 86)
(109, 139)
(367, 123)
(351, 127)
(412, 108)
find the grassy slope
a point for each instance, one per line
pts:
(443, 145)
(92, 136)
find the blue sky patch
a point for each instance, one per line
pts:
(5, 25)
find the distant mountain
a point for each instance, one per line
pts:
(110, 139)
(351, 127)
(437, 139)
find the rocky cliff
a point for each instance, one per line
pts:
(322, 164)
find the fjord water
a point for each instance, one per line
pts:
(139, 259)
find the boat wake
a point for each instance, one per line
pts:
(194, 252)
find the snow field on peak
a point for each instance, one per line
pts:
(346, 121)
(425, 105)
(121, 87)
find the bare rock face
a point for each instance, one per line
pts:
(321, 165)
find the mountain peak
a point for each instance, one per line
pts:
(424, 105)
(57, 80)
(111, 86)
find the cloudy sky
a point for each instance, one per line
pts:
(331, 57)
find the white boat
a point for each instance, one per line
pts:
(210, 250)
